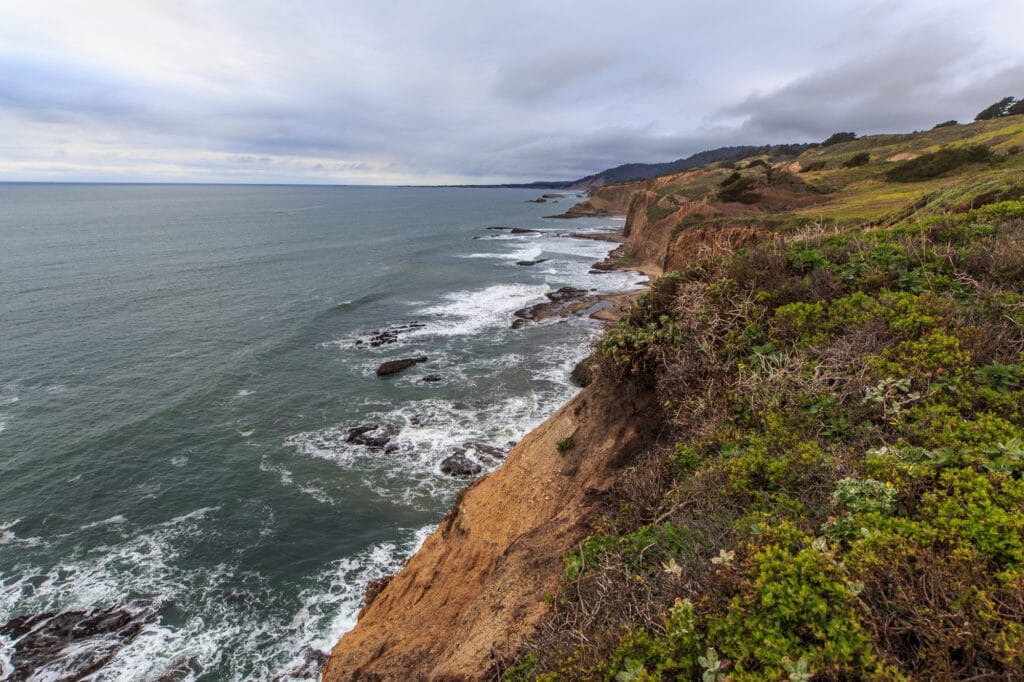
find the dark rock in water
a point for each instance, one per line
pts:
(432, 379)
(357, 431)
(390, 448)
(183, 669)
(562, 303)
(583, 373)
(389, 336)
(310, 665)
(486, 448)
(460, 466)
(552, 196)
(82, 641)
(566, 294)
(523, 230)
(499, 227)
(531, 262)
(603, 266)
(538, 200)
(371, 435)
(394, 366)
(375, 587)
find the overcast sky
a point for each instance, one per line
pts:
(446, 91)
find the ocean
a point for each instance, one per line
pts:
(181, 371)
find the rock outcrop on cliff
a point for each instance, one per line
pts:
(475, 590)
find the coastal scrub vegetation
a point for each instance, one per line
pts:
(1007, 106)
(843, 495)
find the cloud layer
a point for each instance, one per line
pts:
(456, 91)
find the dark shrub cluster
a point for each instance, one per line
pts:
(928, 166)
(1007, 106)
(812, 166)
(836, 138)
(737, 187)
(860, 159)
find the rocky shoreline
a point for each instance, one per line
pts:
(469, 460)
(473, 589)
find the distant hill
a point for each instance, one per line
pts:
(643, 171)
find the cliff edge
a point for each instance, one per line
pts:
(476, 589)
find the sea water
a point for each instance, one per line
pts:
(180, 367)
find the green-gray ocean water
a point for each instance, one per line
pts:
(179, 369)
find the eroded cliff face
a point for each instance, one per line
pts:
(610, 200)
(660, 244)
(475, 590)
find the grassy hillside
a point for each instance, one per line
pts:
(821, 185)
(839, 493)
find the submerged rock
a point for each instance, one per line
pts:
(373, 436)
(523, 230)
(486, 448)
(432, 379)
(80, 642)
(395, 366)
(460, 466)
(566, 294)
(388, 336)
(526, 263)
(562, 303)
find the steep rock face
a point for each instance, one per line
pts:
(475, 590)
(607, 200)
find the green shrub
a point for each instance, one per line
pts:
(793, 605)
(836, 138)
(646, 546)
(737, 187)
(566, 444)
(936, 164)
(642, 656)
(812, 166)
(859, 159)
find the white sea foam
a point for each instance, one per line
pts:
(531, 251)
(244, 393)
(6, 652)
(8, 537)
(113, 520)
(464, 313)
(144, 563)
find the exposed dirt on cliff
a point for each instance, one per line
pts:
(475, 590)
(610, 200)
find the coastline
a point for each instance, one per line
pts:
(475, 588)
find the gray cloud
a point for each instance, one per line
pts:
(456, 91)
(908, 82)
(549, 73)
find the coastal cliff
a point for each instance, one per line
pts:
(476, 589)
(801, 458)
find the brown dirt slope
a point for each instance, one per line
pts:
(475, 590)
(605, 201)
(660, 243)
